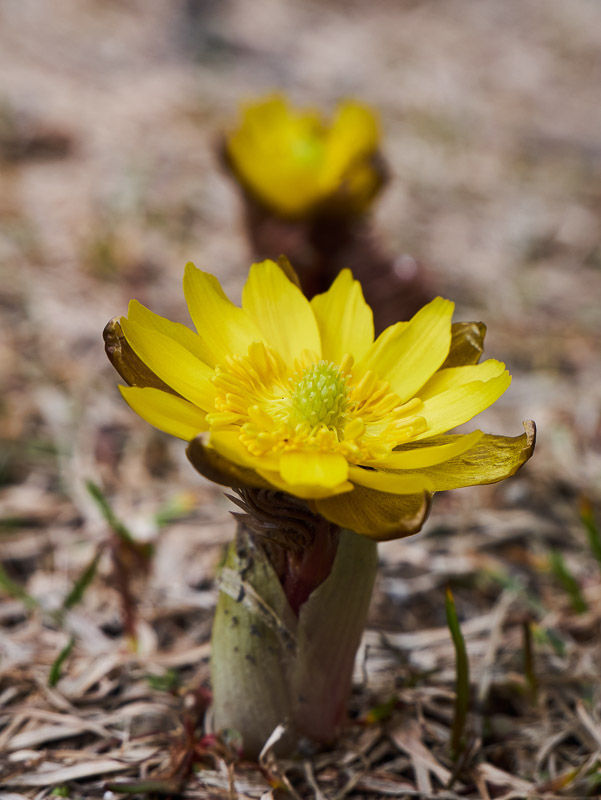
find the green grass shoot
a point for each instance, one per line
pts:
(76, 594)
(462, 689)
(57, 666)
(107, 512)
(560, 569)
(587, 516)
(13, 589)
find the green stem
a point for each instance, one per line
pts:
(329, 632)
(252, 646)
(272, 667)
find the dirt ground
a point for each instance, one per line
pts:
(110, 117)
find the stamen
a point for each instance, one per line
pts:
(354, 428)
(313, 406)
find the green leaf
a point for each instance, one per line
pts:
(107, 512)
(381, 712)
(568, 581)
(592, 529)
(13, 589)
(55, 669)
(166, 682)
(81, 584)
(462, 671)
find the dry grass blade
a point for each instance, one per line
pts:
(407, 737)
(511, 233)
(51, 775)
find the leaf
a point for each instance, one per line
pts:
(462, 695)
(55, 669)
(76, 594)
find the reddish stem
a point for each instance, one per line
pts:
(305, 572)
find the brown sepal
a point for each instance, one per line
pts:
(131, 368)
(467, 344)
(219, 470)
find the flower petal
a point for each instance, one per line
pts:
(408, 354)
(228, 444)
(276, 154)
(281, 311)
(410, 457)
(346, 323)
(456, 406)
(313, 468)
(215, 467)
(136, 312)
(175, 365)
(453, 377)
(492, 459)
(376, 514)
(392, 482)
(467, 343)
(224, 329)
(168, 413)
(352, 137)
(130, 366)
(312, 492)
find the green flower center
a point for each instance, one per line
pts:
(321, 396)
(305, 150)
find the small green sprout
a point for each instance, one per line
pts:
(462, 695)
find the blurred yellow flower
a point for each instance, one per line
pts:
(295, 163)
(297, 396)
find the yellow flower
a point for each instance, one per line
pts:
(297, 396)
(295, 163)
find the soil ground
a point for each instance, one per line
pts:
(110, 118)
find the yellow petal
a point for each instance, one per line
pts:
(168, 413)
(376, 514)
(223, 328)
(299, 490)
(410, 457)
(276, 154)
(143, 316)
(228, 444)
(492, 459)
(407, 355)
(454, 377)
(175, 365)
(467, 343)
(281, 311)
(345, 321)
(131, 368)
(448, 409)
(392, 482)
(353, 136)
(313, 468)
(219, 469)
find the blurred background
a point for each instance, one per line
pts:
(110, 119)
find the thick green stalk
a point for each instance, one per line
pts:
(270, 666)
(252, 646)
(329, 631)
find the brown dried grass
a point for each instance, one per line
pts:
(491, 118)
